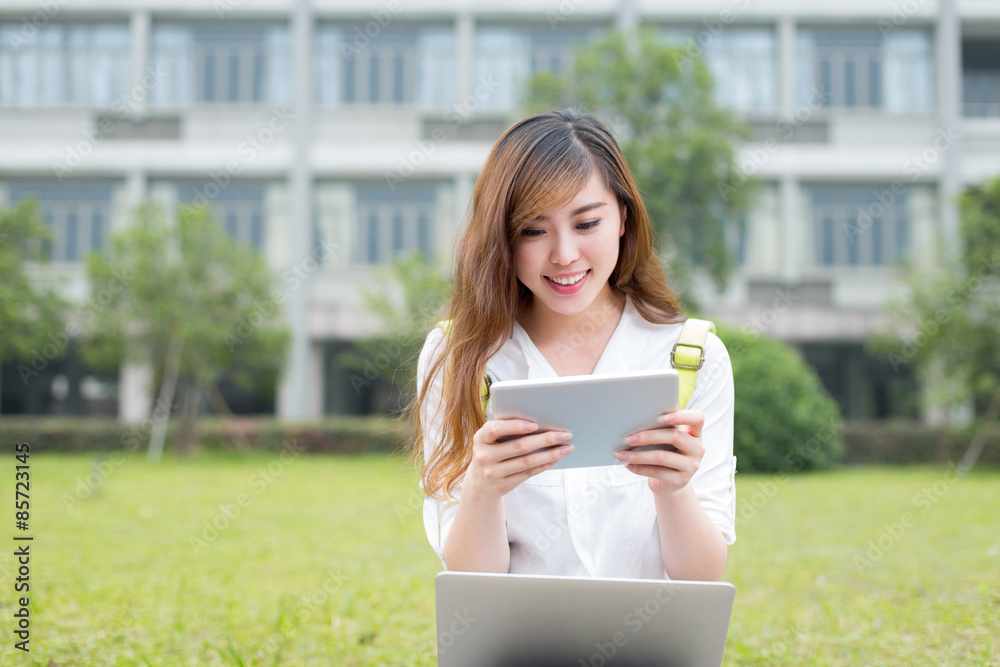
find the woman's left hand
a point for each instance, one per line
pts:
(668, 471)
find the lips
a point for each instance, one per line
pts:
(575, 281)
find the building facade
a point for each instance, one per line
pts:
(335, 136)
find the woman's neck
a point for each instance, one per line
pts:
(573, 344)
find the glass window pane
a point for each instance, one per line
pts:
(864, 67)
(208, 78)
(373, 239)
(237, 207)
(850, 84)
(398, 242)
(232, 225)
(404, 65)
(509, 55)
(876, 233)
(395, 222)
(374, 65)
(257, 230)
(72, 228)
(743, 62)
(234, 77)
(861, 220)
(350, 69)
(63, 64)
(826, 79)
(424, 235)
(258, 78)
(398, 79)
(96, 232)
(66, 208)
(827, 244)
(874, 84)
(852, 245)
(902, 237)
(221, 64)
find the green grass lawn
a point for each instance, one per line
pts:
(326, 563)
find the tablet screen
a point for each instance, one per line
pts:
(599, 410)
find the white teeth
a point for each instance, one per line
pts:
(570, 280)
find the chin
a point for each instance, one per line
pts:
(575, 307)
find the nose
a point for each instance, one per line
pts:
(564, 250)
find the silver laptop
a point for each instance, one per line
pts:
(505, 620)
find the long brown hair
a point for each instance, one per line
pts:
(540, 162)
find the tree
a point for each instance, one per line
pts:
(194, 303)
(409, 298)
(658, 99)
(950, 318)
(31, 323)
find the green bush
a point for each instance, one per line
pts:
(344, 435)
(901, 442)
(784, 419)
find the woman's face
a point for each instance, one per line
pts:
(567, 254)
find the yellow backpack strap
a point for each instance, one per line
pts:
(484, 389)
(688, 355)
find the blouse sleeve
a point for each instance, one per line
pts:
(439, 514)
(715, 481)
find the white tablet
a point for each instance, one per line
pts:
(599, 410)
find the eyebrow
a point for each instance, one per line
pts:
(582, 209)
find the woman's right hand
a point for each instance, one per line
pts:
(497, 468)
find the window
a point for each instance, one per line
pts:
(394, 223)
(861, 68)
(221, 65)
(865, 386)
(510, 56)
(717, 232)
(743, 62)
(63, 64)
(736, 239)
(401, 66)
(981, 78)
(78, 213)
(239, 207)
(981, 92)
(859, 225)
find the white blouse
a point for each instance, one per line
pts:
(597, 522)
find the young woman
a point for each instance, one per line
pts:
(557, 275)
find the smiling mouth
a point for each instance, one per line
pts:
(569, 280)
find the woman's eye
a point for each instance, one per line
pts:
(590, 224)
(532, 232)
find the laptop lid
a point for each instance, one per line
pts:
(505, 620)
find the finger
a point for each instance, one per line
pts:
(522, 464)
(694, 420)
(529, 443)
(660, 438)
(685, 443)
(666, 475)
(492, 454)
(666, 438)
(659, 458)
(493, 430)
